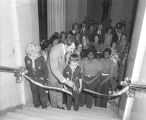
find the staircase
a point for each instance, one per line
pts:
(31, 113)
(94, 10)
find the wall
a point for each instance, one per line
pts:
(138, 109)
(18, 26)
(61, 14)
(56, 16)
(135, 62)
(121, 9)
(75, 12)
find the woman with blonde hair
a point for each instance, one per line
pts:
(37, 70)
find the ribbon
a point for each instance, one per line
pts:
(124, 90)
(47, 87)
(21, 72)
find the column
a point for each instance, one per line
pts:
(18, 27)
(134, 108)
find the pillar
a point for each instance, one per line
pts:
(134, 108)
(18, 27)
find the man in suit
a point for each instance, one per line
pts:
(100, 32)
(123, 53)
(83, 29)
(117, 35)
(91, 33)
(56, 63)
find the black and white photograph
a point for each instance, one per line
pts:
(72, 60)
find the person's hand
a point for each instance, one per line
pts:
(64, 86)
(75, 88)
(69, 83)
(46, 83)
(79, 90)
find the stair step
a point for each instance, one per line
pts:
(95, 111)
(81, 111)
(48, 115)
(99, 109)
(60, 116)
(5, 118)
(17, 116)
(84, 115)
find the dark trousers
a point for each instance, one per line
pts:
(73, 99)
(101, 101)
(87, 98)
(39, 95)
(56, 97)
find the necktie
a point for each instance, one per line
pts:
(65, 57)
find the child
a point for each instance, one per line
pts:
(37, 70)
(73, 72)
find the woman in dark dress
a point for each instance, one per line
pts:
(105, 78)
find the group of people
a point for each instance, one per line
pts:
(87, 57)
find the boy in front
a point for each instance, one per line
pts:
(73, 72)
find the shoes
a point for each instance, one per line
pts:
(45, 106)
(89, 107)
(61, 108)
(38, 106)
(76, 107)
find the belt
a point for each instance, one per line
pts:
(89, 75)
(104, 74)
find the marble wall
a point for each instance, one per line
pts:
(18, 26)
(138, 109)
(133, 108)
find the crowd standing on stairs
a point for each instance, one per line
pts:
(91, 56)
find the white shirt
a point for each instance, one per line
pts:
(64, 50)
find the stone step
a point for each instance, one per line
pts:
(5, 118)
(49, 115)
(98, 109)
(17, 116)
(68, 113)
(80, 112)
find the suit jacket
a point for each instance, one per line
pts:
(101, 35)
(116, 38)
(90, 35)
(56, 63)
(83, 31)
